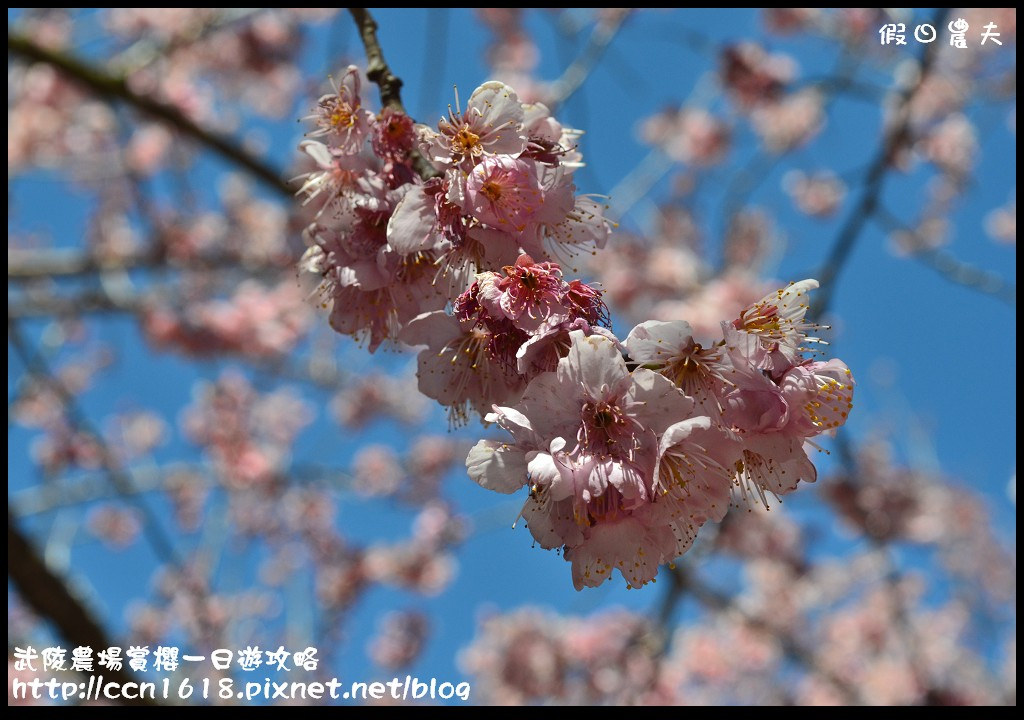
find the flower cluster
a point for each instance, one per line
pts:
(407, 216)
(625, 461)
(506, 329)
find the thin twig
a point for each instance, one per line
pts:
(147, 50)
(579, 70)
(116, 88)
(747, 181)
(44, 263)
(678, 580)
(93, 487)
(948, 266)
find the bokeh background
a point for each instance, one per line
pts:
(200, 461)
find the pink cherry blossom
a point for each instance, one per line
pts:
(1001, 223)
(504, 192)
(669, 348)
(725, 296)
(376, 471)
(256, 321)
(336, 174)
(586, 442)
(696, 468)
(400, 639)
(817, 194)
(771, 333)
(340, 116)
(116, 526)
(529, 294)
(374, 395)
(790, 20)
(789, 122)
(567, 227)
(459, 366)
(952, 145)
(819, 396)
(491, 125)
(773, 421)
(691, 136)
(505, 335)
(393, 135)
(547, 140)
(754, 76)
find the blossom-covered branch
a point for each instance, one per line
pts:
(623, 465)
(866, 206)
(118, 89)
(379, 72)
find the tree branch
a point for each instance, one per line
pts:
(45, 263)
(50, 598)
(379, 72)
(867, 205)
(377, 68)
(116, 88)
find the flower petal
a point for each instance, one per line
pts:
(497, 466)
(412, 227)
(593, 363)
(657, 341)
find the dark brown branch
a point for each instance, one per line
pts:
(379, 73)
(868, 202)
(677, 586)
(116, 88)
(377, 69)
(51, 600)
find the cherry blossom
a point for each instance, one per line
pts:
(669, 348)
(401, 639)
(460, 366)
(340, 115)
(753, 75)
(689, 135)
(492, 124)
(770, 334)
